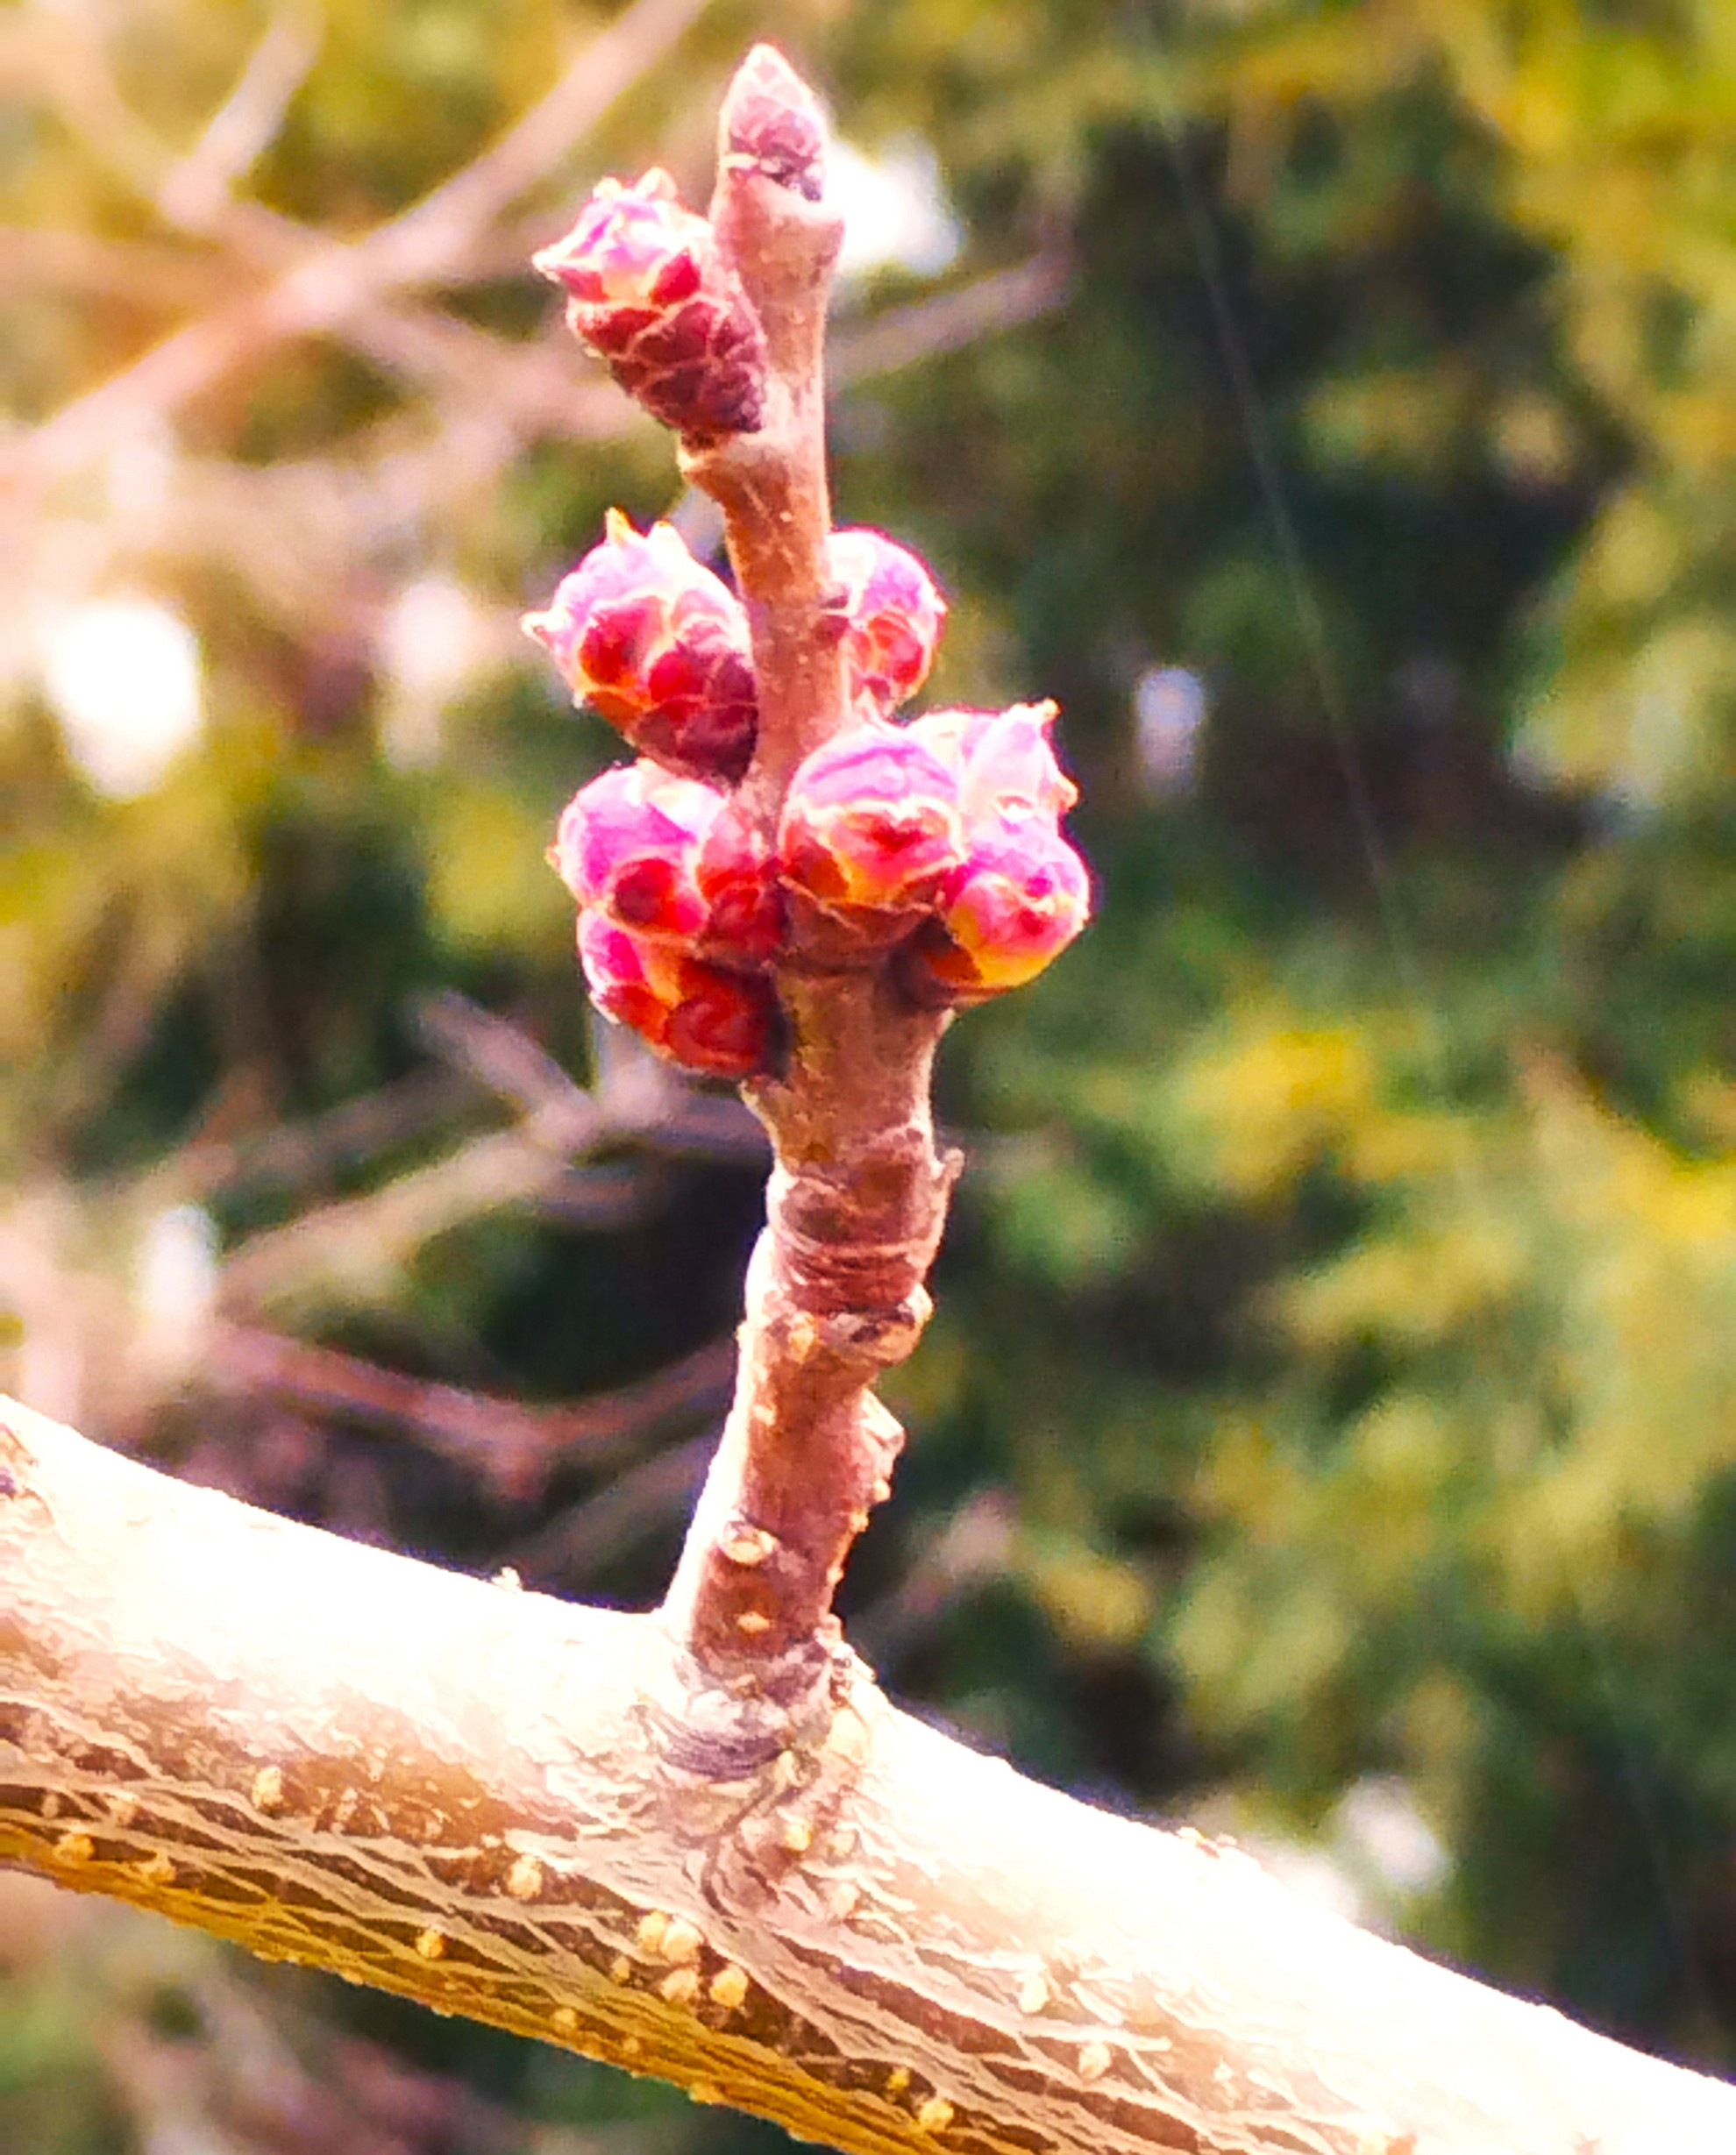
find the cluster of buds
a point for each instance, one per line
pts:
(943, 838)
(648, 287)
(933, 848)
(680, 915)
(935, 845)
(675, 862)
(659, 646)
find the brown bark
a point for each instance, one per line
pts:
(858, 1193)
(506, 1807)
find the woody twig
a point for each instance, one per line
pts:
(789, 889)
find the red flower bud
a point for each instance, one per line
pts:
(672, 861)
(659, 645)
(871, 825)
(1021, 894)
(722, 1023)
(736, 876)
(649, 291)
(1017, 902)
(628, 845)
(892, 616)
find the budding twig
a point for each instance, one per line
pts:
(857, 1196)
(789, 889)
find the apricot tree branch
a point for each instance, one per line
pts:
(857, 1196)
(514, 1809)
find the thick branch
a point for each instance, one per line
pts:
(505, 1806)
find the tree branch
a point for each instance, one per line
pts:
(503, 1806)
(858, 1195)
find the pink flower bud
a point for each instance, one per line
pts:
(722, 1023)
(649, 290)
(1003, 761)
(659, 645)
(628, 845)
(672, 861)
(1015, 904)
(871, 825)
(892, 616)
(1021, 894)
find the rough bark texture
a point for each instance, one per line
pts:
(505, 1806)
